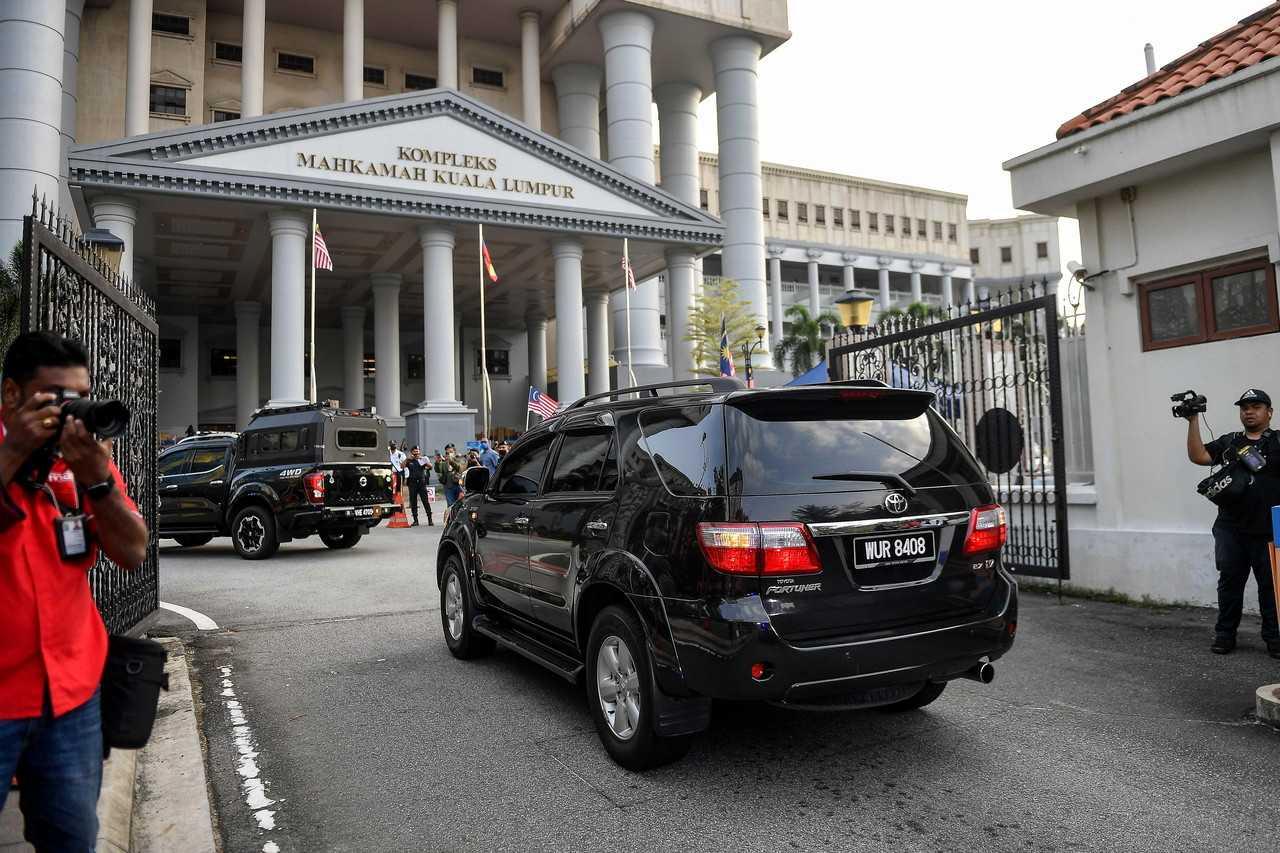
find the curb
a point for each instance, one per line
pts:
(1268, 697)
(115, 802)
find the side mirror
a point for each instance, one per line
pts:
(475, 479)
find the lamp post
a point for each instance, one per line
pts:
(748, 348)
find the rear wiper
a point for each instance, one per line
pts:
(870, 477)
(893, 446)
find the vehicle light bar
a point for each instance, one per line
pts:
(313, 485)
(769, 548)
(988, 530)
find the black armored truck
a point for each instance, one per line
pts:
(293, 472)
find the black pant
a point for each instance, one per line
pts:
(1236, 553)
(416, 488)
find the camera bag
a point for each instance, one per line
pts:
(131, 684)
(1227, 486)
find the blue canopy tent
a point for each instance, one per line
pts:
(813, 376)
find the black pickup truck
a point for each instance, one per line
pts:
(293, 472)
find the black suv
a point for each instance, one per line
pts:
(293, 472)
(830, 546)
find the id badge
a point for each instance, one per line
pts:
(72, 540)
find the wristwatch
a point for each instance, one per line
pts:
(98, 491)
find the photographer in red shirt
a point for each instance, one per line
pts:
(52, 641)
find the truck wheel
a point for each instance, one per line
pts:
(930, 691)
(253, 533)
(194, 540)
(620, 687)
(456, 612)
(346, 537)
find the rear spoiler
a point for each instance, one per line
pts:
(896, 402)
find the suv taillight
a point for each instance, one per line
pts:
(313, 484)
(988, 530)
(758, 549)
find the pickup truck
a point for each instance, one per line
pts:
(293, 472)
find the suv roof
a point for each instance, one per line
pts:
(303, 414)
(722, 388)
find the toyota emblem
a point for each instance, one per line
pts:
(895, 503)
(364, 481)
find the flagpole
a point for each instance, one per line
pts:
(314, 227)
(626, 287)
(484, 363)
(527, 411)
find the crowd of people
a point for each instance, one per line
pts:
(413, 470)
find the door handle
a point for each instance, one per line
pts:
(597, 526)
(170, 488)
(215, 482)
(522, 521)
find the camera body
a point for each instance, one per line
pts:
(1189, 403)
(103, 418)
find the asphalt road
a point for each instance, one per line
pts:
(1107, 728)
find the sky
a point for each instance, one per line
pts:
(938, 93)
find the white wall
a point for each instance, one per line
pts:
(179, 387)
(510, 395)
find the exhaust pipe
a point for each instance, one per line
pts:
(983, 673)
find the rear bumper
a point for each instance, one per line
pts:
(716, 654)
(343, 516)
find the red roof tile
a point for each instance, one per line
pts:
(1253, 40)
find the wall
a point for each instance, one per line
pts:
(1021, 234)
(511, 394)
(178, 404)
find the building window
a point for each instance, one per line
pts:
(820, 214)
(225, 115)
(937, 230)
(1006, 254)
(974, 256)
(227, 52)
(951, 232)
(921, 228)
(855, 219)
(488, 77)
(174, 25)
(497, 360)
(169, 100)
(906, 226)
(375, 76)
(414, 369)
(704, 200)
(889, 223)
(222, 362)
(873, 222)
(1216, 304)
(802, 211)
(171, 353)
(370, 366)
(782, 210)
(295, 63)
(837, 217)
(764, 206)
(1042, 250)
(418, 82)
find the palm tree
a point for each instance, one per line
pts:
(805, 343)
(10, 297)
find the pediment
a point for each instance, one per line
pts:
(169, 77)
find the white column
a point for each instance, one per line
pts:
(628, 38)
(31, 103)
(775, 293)
(253, 57)
(137, 83)
(847, 275)
(886, 300)
(916, 290)
(947, 296)
(815, 292)
(248, 322)
(447, 49)
(386, 343)
(646, 331)
(682, 274)
(437, 322)
(353, 51)
(568, 271)
(530, 69)
(119, 215)
(578, 105)
(289, 232)
(597, 342)
(678, 139)
(538, 352)
(968, 292)
(353, 356)
(737, 126)
(70, 72)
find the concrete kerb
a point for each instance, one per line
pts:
(1268, 704)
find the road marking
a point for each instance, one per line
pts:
(253, 787)
(204, 623)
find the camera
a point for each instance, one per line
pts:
(103, 418)
(1189, 403)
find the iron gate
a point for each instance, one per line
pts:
(69, 289)
(995, 371)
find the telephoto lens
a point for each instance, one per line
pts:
(104, 418)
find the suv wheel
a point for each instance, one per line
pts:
(253, 533)
(456, 613)
(194, 540)
(346, 537)
(619, 682)
(930, 691)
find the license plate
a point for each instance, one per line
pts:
(894, 549)
(364, 511)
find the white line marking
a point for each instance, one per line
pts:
(252, 786)
(204, 623)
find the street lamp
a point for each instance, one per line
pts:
(748, 348)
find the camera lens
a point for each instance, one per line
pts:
(104, 418)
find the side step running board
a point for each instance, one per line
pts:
(526, 646)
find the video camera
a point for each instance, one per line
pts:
(1189, 403)
(103, 418)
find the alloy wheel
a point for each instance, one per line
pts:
(251, 533)
(618, 686)
(453, 606)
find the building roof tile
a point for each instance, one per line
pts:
(1253, 40)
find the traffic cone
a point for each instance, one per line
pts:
(399, 519)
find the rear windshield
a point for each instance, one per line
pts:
(357, 439)
(804, 444)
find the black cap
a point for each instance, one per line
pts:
(1253, 395)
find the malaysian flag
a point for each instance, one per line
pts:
(320, 252)
(629, 273)
(541, 404)
(726, 354)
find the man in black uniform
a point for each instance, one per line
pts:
(416, 472)
(1243, 527)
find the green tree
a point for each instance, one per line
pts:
(719, 300)
(805, 344)
(10, 297)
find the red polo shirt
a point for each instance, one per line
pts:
(50, 630)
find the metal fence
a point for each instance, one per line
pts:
(66, 287)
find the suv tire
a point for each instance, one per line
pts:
(194, 540)
(930, 691)
(253, 533)
(341, 538)
(619, 683)
(456, 612)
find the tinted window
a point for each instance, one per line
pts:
(521, 471)
(208, 460)
(349, 439)
(174, 463)
(580, 463)
(792, 446)
(687, 447)
(609, 477)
